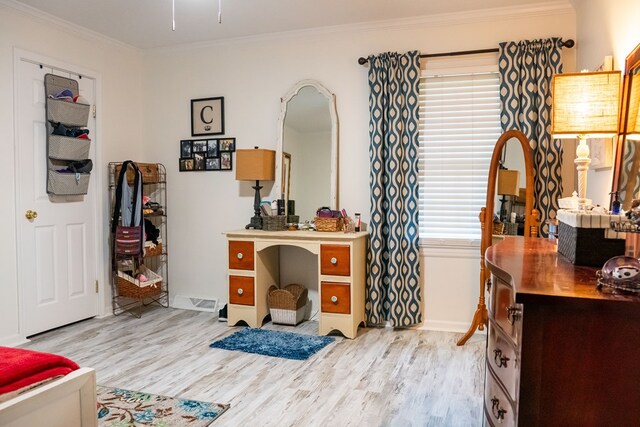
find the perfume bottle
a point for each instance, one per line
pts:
(357, 215)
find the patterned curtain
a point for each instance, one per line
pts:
(526, 69)
(393, 285)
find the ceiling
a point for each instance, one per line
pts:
(146, 24)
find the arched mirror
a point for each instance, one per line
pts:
(308, 149)
(531, 215)
(626, 175)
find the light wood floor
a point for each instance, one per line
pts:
(385, 377)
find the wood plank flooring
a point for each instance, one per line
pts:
(384, 377)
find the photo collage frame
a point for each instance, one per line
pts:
(212, 154)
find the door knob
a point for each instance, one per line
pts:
(31, 214)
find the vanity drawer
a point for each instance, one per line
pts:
(241, 290)
(507, 314)
(503, 359)
(240, 255)
(497, 406)
(335, 260)
(335, 298)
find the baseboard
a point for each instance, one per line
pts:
(444, 326)
(13, 341)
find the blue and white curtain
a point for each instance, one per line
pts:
(526, 69)
(393, 280)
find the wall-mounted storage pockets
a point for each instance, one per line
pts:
(67, 140)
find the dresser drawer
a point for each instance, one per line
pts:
(335, 298)
(507, 314)
(241, 290)
(503, 359)
(240, 255)
(335, 260)
(497, 406)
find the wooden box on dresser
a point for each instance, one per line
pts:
(254, 265)
(559, 352)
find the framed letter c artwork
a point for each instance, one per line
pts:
(207, 116)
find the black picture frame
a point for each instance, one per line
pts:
(212, 154)
(212, 164)
(227, 144)
(207, 116)
(185, 148)
(226, 160)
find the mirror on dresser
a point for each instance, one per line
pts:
(626, 175)
(308, 149)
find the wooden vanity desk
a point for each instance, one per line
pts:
(559, 351)
(254, 265)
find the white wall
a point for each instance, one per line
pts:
(252, 75)
(119, 133)
(605, 27)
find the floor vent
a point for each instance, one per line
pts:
(191, 303)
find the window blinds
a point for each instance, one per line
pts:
(458, 128)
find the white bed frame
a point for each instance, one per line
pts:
(69, 401)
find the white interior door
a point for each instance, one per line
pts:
(57, 249)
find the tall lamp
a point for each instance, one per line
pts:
(255, 165)
(585, 105)
(508, 185)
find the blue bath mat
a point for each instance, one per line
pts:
(287, 345)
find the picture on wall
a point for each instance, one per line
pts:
(206, 154)
(207, 116)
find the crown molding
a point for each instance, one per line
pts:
(64, 25)
(456, 18)
(555, 8)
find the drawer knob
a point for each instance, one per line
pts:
(496, 410)
(513, 314)
(240, 256)
(334, 299)
(334, 260)
(501, 361)
(240, 291)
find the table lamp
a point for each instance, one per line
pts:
(585, 105)
(632, 129)
(255, 165)
(508, 185)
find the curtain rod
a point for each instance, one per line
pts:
(567, 43)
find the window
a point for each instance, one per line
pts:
(458, 128)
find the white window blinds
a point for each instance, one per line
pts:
(459, 126)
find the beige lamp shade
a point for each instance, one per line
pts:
(633, 119)
(255, 165)
(585, 104)
(508, 181)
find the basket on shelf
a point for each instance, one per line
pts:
(130, 287)
(287, 305)
(152, 250)
(328, 224)
(273, 223)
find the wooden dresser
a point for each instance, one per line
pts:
(254, 265)
(559, 351)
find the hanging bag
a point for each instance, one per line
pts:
(128, 235)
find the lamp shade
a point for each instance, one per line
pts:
(633, 119)
(585, 104)
(508, 182)
(255, 165)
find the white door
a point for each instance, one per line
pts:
(57, 249)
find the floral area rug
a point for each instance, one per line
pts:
(126, 408)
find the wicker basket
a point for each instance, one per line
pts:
(273, 223)
(130, 287)
(287, 305)
(151, 173)
(328, 224)
(153, 250)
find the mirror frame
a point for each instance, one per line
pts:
(284, 101)
(632, 63)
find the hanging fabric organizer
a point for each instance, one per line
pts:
(68, 162)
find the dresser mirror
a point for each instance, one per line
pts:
(626, 174)
(531, 217)
(307, 160)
